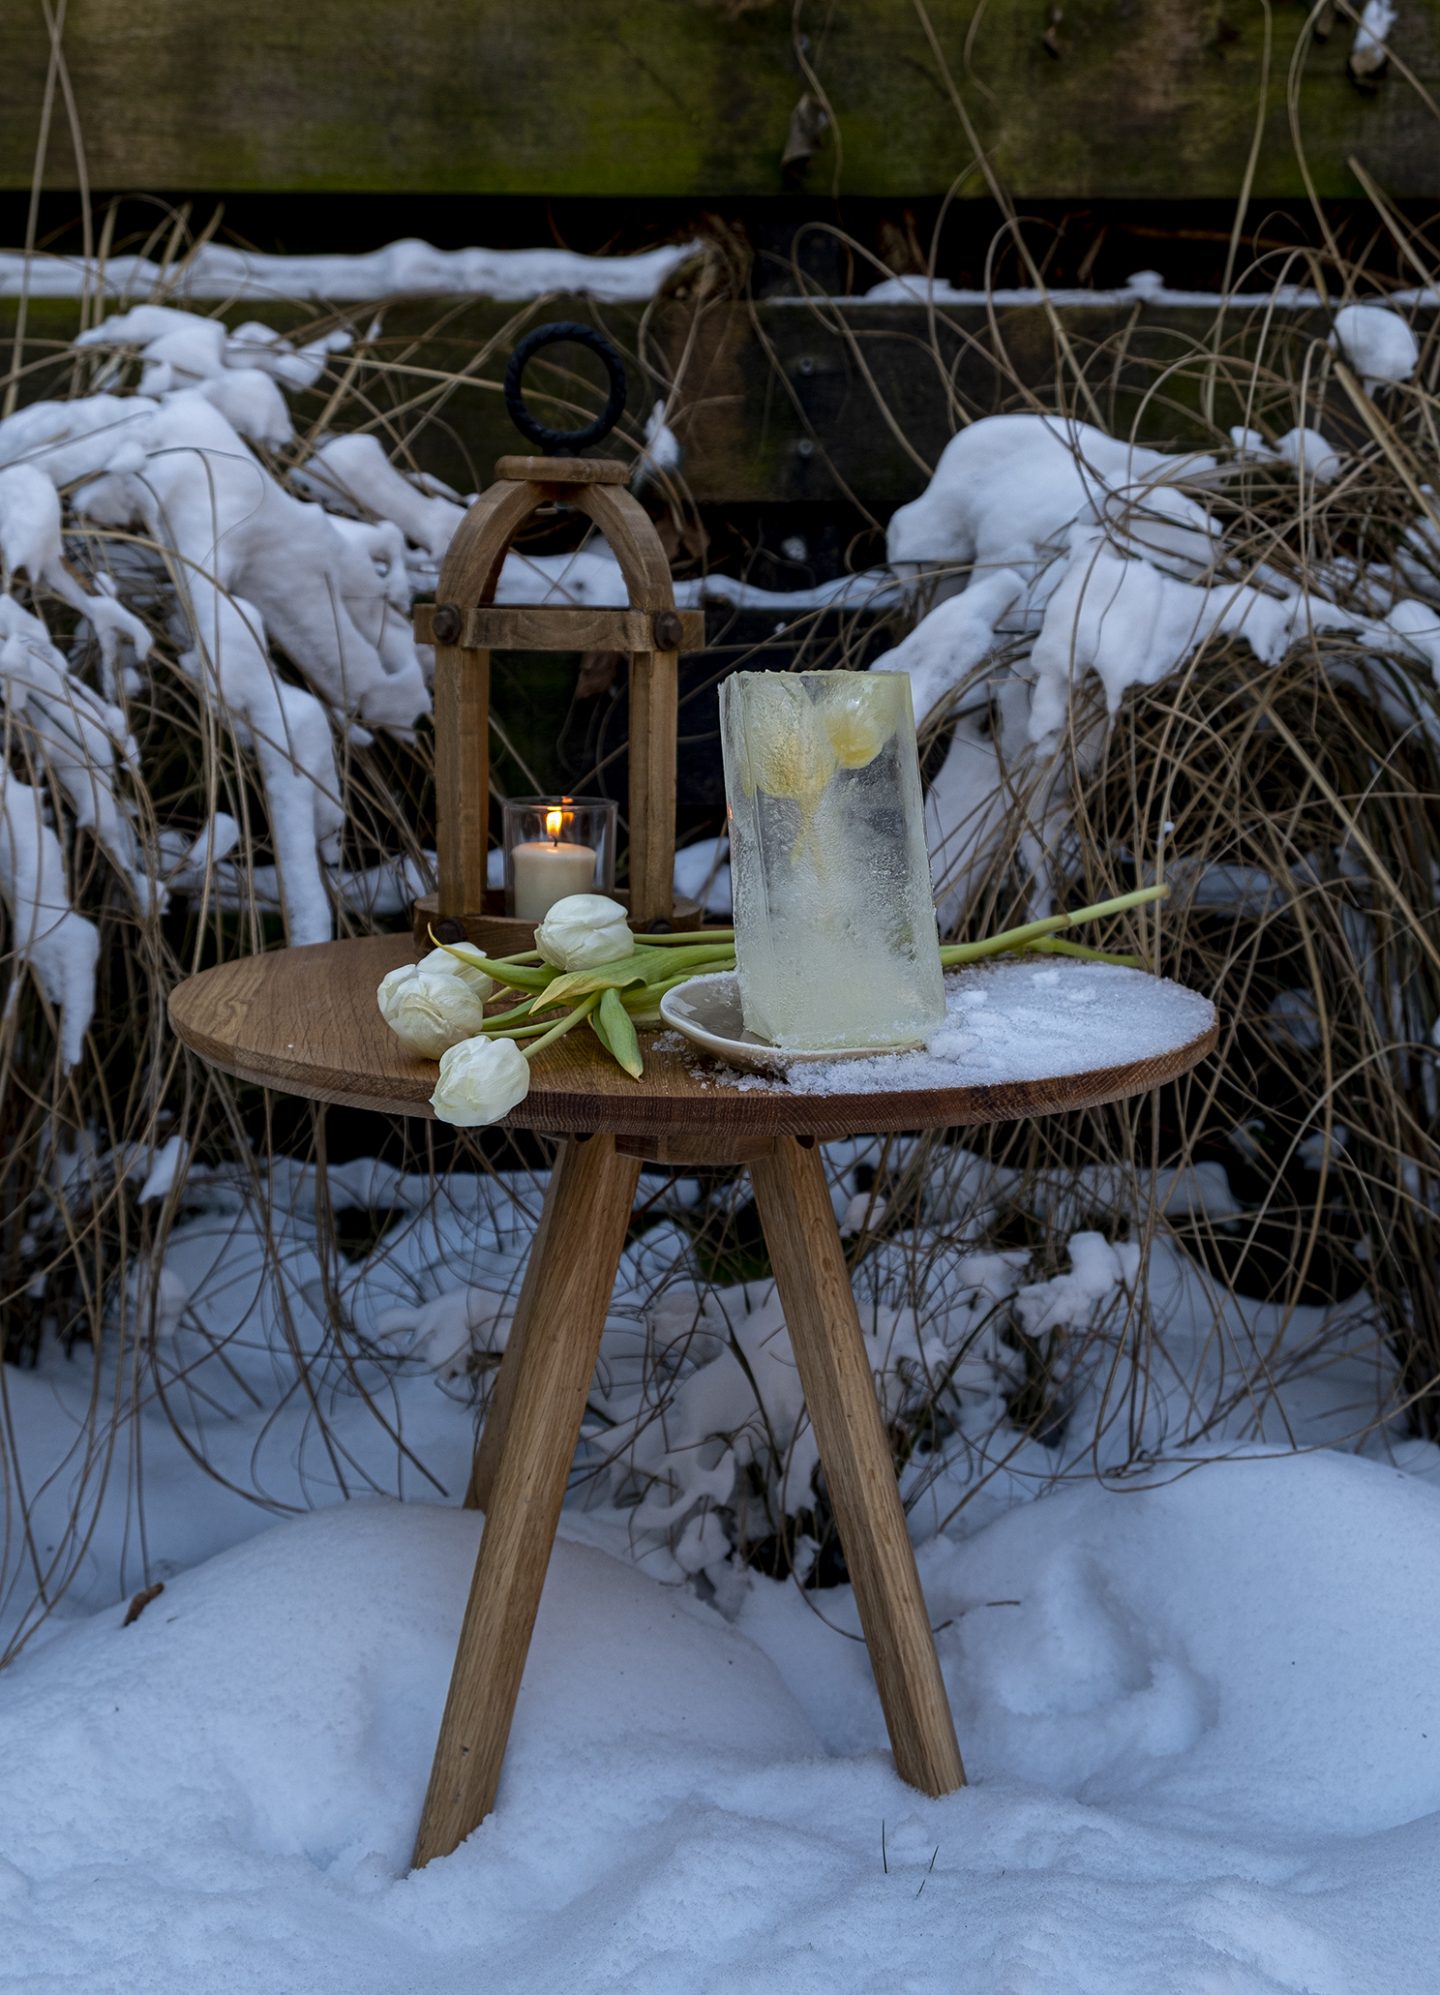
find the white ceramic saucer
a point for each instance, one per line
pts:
(707, 1011)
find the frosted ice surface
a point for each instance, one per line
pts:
(1023, 1019)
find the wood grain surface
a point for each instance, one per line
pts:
(305, 1021)
(649, 98)
(561, 627)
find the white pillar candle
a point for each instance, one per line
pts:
(545, 870)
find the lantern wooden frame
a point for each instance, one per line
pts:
(465, 625)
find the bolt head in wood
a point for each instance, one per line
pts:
(450, 930)
(668, 630)
(445, 624)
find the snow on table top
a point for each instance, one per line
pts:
(1021, 1019)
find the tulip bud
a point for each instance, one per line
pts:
(583, 931)
(480, 1080)
(431, 1006)
(450, 964)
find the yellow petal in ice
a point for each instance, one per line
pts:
(858, 722)
(788, 752)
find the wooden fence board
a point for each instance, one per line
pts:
(780, 401)
(1149, 98)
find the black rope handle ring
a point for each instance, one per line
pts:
(561, 442)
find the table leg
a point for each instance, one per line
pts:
(568, 1298)
(502, 1393)
(834, 1366)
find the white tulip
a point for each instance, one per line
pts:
(480, 1080)
(432, 1006)
(583, 931)
(448, 964)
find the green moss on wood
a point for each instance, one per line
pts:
(694, 98)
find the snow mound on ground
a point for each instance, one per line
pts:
(1196, 1716)
(266, 1726)
(1255, 1643)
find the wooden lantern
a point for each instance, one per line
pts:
(465, 625)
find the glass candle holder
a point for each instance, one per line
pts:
(835, 937)
(556, 846)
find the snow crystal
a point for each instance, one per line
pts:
(85, 739)
(204, 494)
(1305, 450)
(662, 452)
(167, 1168)
(354, 472)
(702, 873)
(60, 946)
(1008, 490)
(947, 645)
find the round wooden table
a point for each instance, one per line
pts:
(306, 1021)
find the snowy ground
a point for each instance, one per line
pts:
(1199, 1719)
(1200, 1722)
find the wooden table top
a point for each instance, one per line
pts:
(305, 1021)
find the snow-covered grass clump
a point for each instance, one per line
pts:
(1219, 665)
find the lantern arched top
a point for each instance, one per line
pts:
(470, 574)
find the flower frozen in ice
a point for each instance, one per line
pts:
(859, 720)
(431, 1005)
(583, 931)
(480, 1080)
(784, 748)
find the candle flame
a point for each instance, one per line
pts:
(555, 822)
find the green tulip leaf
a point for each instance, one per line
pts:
(612, 1027)
(642, 966)
(515, 976)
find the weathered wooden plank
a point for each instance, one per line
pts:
(783, 401)
(696, 97)
(794, 402)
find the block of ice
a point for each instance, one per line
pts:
(835, 936)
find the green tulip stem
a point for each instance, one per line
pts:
(504, 1025)
(1048, 946)
(683, 937)
(581, 1011)
(1033, 931)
